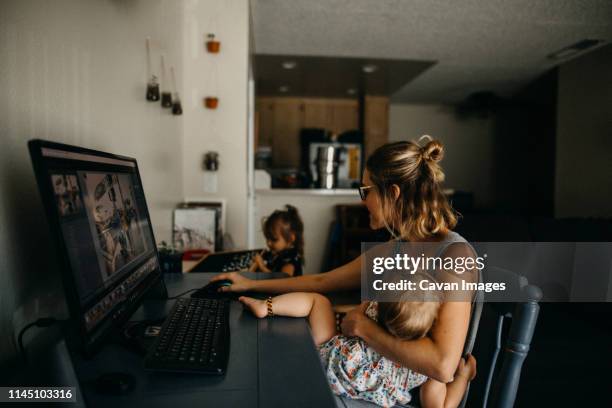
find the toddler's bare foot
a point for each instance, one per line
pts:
(256, 306)
(467, 368)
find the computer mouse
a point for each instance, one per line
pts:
(115, 383)
(222, 282)
(211, 290)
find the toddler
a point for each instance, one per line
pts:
(357, 371)
(284, 232)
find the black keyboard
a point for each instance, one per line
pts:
(226, 261)
(194, 338)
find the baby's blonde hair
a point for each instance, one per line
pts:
(411, 318)
(408, 320)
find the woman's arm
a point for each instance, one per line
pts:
(347, 276)
(435, 356)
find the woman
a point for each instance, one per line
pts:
(402, 192)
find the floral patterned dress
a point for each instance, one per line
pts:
(356, 371)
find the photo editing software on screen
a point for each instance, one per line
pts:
(106, 230)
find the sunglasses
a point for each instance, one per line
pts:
(363, 192)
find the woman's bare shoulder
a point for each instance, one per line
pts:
(465, 262)
(459, 249)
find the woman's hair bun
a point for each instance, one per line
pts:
(433, 150)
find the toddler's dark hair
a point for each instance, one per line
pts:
(290, 222)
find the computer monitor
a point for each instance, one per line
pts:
(99, 220)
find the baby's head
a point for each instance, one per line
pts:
(412, 318)
(284, 229)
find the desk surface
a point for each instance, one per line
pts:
(272, 363)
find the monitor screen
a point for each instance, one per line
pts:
(97, 210)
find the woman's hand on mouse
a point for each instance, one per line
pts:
(239, 282)
(355, 321)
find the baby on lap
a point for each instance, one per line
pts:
(356, 370)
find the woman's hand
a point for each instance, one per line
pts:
(356, 321)
(239, 282)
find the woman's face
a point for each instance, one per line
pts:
(372, 202)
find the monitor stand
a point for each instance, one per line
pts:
(132, 338)
(158, 290)
(116, 383)
(131, 335)
(138, 336)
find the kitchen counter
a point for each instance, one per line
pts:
(348, 192)
(317, 207)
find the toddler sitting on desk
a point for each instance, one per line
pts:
(284, 232)
(357, 371)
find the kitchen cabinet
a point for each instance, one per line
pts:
(281, 118)
(376, 122)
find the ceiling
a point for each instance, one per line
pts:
(332, 77)
(476, 45)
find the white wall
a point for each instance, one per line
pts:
(584, 136)
(74, 71)
(223, 130)
(318, 211)
(469, 145)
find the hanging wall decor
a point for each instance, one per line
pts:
(166, 96)
(152, 84)
(211, 102)
(177, 109)
(213, 46)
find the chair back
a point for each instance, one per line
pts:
(499, 370)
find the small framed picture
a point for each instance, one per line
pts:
(219, 206)
(195, 228)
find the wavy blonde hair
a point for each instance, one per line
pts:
(422, 210)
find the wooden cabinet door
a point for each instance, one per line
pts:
(317, 113)
(344, 116)
(288, 120)
(282, 118)
(376, 122)
(265, 114)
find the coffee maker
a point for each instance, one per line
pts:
(335, 165)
